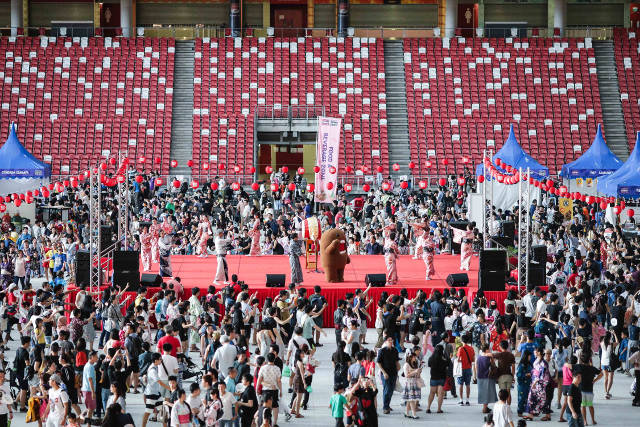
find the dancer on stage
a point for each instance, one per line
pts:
(428, 253)
(390, 257)
(222, 247)
(166, 225)
(165, 243)
(204, 232)
(155, 229)
(295, 251)
(145, 249)
(466, 248)
(255, 236)
(420, 232)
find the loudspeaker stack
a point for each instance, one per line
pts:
(493, 270)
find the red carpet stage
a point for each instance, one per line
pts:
(199, 272)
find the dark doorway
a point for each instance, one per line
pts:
(289, 20)
(109, 18)
(290, 156)
(467, 19)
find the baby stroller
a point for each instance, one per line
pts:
(186, 369)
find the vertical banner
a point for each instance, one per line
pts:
(327, 152)
(565, 207)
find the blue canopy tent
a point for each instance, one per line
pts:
(597, 161)
(506, 196)
(625, 182)
(512, 154)
(20, 171)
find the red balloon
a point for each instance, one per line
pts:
(618, 210)
(21, 196)
(74, 184)
(499, 161)
(461, 181)
(500, 178)
(549, 183)
(159, 182)
(395, 167)
(176, 183)
(412, 165)
(422, 184)
(583, 197)
(190, 163)
(29, 200)
(591, 200)
(622, 204)
(332, 170)
(252, 169)
(205, 166)
(316, 169)
(445, 162)
(442, 182)
(386, 186)
(268, 169)
(274, 187)
(103, 166)
(366, 188)
(51, 186)
(237, 169)
(221, 167)
(214, 186)
(428, 163)
(481, 179)
(329, 185)
(563, 190)
(301, 170)
(603, 205)
(404, 185)
(379, 168)
(235, 186)
(364, 169)
(139, 179)
(17, 203)
(195, 184)
(630, 213)
(552, 190)
(348, 169)
(3, 208)
(292, 186)
(255, 186)
(120, 179)
(174, 163)
(112, 161)
(311, 187)
(35, 193)
(348, 187)
(157, 160)
(285, 169)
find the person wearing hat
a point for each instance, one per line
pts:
(58, 406)
(222, 244)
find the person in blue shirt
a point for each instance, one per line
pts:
(23, 236)
(528, 345)
(161, 307)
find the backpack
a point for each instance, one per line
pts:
(456, 326)
(137, 345)
(414, 325)
(601, 304)
(317, 302)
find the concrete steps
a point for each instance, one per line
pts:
(182, 114)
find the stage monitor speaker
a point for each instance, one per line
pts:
(493, 259)
(497, 242)
(508, 229)
(106, 237)
(458, 280)
(375, 280)
(537, 275)
(276, 280)
(491, 280)
(150, 280)
(539, 254)
(122, 278)
(126, 260)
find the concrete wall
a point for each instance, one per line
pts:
(534, 14)
(41, 14)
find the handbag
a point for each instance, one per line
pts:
(457, 368)
(494, 373)
(286, 371)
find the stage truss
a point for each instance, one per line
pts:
(95, 265)
(524, 229)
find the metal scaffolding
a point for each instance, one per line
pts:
(524, 229)
(95, 267)
(487, 196)
(123, 207)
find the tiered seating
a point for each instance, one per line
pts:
(627, 54)
(462, 95)
(234, 77)
(75, 100)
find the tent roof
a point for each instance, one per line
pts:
(17, 162)
(598, 160)
(513, 154)
(625, 182)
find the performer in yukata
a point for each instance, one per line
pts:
(428, 254)
(166, 225)
(222, 247)
(255, 236)
(466, 248)
(390, 257)
(420, 232)
(145, 249)
(204, 232)
(295, 251)
(155, 229)
(165, 244)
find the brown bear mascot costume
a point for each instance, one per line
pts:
(333, 251)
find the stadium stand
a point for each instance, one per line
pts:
(627, 54)
(75, 99)
(233, 77)
(463, 92)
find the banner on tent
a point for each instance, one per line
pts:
(579, 182)
(629, 191)
(566, 207)
(589, 182)
(327, 153)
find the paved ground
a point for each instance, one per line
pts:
(615, 412)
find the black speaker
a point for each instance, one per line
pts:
(276, 280)
(375, 280)
(491, 280)
(539, 254)
(150, 280)
(126, 260)
(500, 241)
(493, 259)
(106, 237)
(458, 280)
(122, 278)
(537, 275)
(82, 268)
(508, 229)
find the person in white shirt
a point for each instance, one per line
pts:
(228, 402)
(168, 367)
(195, 401)
(6, 406)
(502, 416)
(58, 406)
(225, 355)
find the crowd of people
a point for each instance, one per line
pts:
(81, 354)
